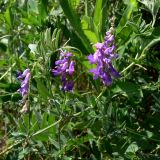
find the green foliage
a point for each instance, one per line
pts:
(120, 121)
(75, 22)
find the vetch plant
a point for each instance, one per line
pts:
(103, 57)
(116, 122)
(24, 89)
(25, 77)
(65, 68)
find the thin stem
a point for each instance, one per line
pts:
(127, 67)
(59, 136)
(101, 93)
(11, 67)
(86, 7)
(135, 133)
(133, 63)
(10, 147)
(77, 114)
(45, 129)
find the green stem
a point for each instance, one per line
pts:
(45, 129)
(10, 68)
(101, 93)
(135, 133)
(127, 67)
(10, 147)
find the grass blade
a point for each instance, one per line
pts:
(75, 22)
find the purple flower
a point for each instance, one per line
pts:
(65, 68)
(68, 86)
(71, 68)
(25, 72)
(91, 59)
(98, 45)
(106, 78)
(103, 59)
(25, 77)
(113, 72)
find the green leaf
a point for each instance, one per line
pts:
(153, 6)
(133, 26)
(32, 6)
(31, 20)
(44, 120)
(149, 45)
(56, 38)
(131, 150)
(125, 33)
(104, 145)
(149, 134)
(75, 22)
(8, 17)
(156, 32)
(3, 63)
(131, 6)
(43, 9)
(73, 143)
(22, 154)
(129, 89)
(3, 47)
(43, 91)
(35, 121)
(74, 3)
(86, 26)
(100, 16)
(98, 12)
(24, 123)
(33, 47)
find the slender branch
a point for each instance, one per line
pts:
(11, 67)
(127, 67)
(10, 147)
(45, 129)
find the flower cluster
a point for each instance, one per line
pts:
(65, 68)
(25, 77)
(103, 60)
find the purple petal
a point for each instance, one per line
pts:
(91, 59)
(71, 68)
(115, 55)
(95, 72)
(25, 84)
(25, 72)
(113, 72)
(64, 66)
(68, 86)
(107, 60)
(108, 33)
(63, 54)
(68, 54)
(98, 45)
(97, 56)
(18, 73)
(111, 38)
(56, 72)
(63, 78)
(23, 91)
(26, 80)
(109, 50)
(107, 80)
(58, 62)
